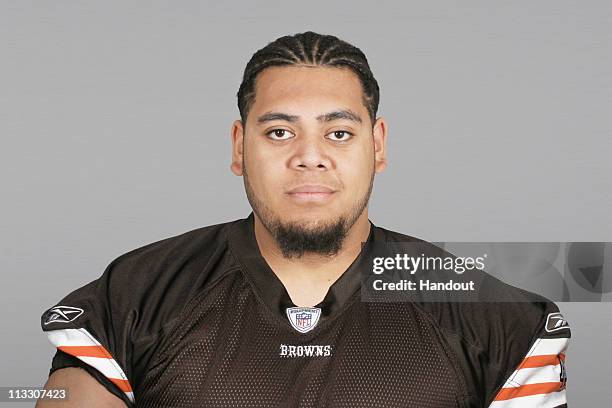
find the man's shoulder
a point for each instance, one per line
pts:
(506, 313)
(153, 281)
(177, 253)
(165, 272)
(184, 242)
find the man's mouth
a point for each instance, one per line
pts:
(311, 192)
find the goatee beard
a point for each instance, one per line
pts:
(294, 240)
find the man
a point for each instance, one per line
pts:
(266, 311)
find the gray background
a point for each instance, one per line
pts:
(115, 124)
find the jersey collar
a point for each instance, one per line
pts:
(243, 245)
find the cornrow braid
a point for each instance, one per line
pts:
(308, 48)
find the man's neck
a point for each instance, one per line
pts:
(308, 278)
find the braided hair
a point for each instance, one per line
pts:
(309, 48)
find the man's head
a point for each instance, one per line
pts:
(309, 143)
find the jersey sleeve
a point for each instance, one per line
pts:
(539, 378)
(91, 328)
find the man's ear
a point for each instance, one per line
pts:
(379, 133)
(237, 135)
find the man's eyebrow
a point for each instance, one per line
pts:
(326, 117)
(340, 114)
(270, 116)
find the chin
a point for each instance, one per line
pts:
(310, 219)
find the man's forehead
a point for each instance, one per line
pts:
(297, 93)
(275, 83)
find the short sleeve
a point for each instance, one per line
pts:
(63, 360)
(539, 377)
(91, 328)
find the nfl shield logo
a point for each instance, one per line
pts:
(303, 319)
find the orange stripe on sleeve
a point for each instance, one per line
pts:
(540, 361)
(528, 389)
(86, 351)
(123, 385)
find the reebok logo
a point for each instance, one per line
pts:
(556, 321)
(62, 314)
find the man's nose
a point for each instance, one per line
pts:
(311, 154)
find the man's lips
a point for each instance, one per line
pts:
(311, 188)
(311, 192)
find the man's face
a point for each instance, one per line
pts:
(308, 155)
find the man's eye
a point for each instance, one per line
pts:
(279, 134)
(340, 135)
